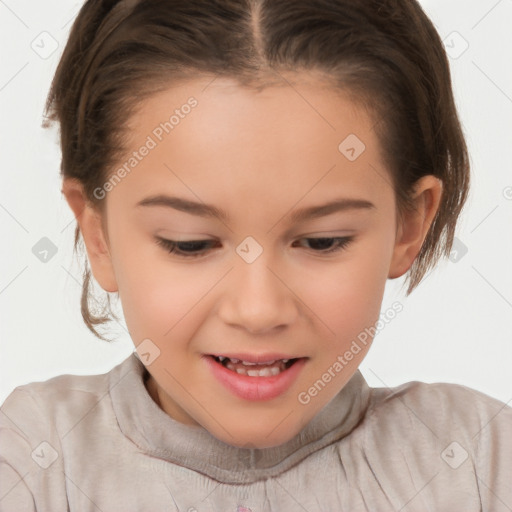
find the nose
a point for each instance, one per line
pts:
(257, 298)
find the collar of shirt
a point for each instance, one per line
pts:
(158, 435)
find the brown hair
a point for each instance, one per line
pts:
(385, 53)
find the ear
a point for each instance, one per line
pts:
(90, 222)
(413, 228)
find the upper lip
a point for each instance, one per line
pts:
(255, 358)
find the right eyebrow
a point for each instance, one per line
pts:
(185, 205)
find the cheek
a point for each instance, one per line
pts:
(162, 300)
(153, 297)
(349, 294)
(346, 298)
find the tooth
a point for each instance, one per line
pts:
(267, 371)
(248, 363)
(234, 361)
(221, 358)
(285, 360)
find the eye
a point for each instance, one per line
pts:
(197, 248)
(187, 249)
(326, 246)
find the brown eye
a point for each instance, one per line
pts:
(325, 245)
(188, 248)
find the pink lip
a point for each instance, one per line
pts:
(255, 388)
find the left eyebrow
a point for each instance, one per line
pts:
(338, 205)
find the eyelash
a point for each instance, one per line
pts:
(172, 246)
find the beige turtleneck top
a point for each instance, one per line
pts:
(100, 443)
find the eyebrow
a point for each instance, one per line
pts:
(210, 211)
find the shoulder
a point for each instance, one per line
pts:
(35, 419)
(447, 435)
(48, 410)
(444, 445)
(59, 400)
(439, 403)
(45, 399)
(443, 415)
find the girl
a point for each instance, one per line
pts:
(247, 175)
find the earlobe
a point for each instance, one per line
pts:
(414, 225)
(90, 223)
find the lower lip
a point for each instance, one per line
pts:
(255, 388)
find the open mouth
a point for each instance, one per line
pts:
(263, 369)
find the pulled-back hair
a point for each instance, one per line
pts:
(385, 53)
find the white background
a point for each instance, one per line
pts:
(455, 327)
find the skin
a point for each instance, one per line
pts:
(260, 156)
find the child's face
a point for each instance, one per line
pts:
(260, 158)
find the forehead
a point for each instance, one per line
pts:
(301, 106)
(296, 137)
